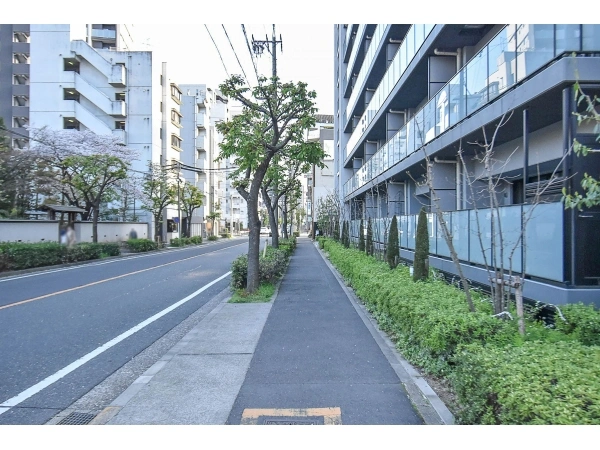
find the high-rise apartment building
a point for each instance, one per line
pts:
(403, 91)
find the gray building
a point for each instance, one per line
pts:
(14, 80)
(404, 91)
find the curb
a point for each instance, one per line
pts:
(426, 401)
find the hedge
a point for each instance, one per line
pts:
(141, 245)
(18, 255)
(551, 376)
(182, 242)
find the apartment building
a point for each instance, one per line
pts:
(320, 182)
(403, 91)
(14, 80)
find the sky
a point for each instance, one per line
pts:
(305, 54)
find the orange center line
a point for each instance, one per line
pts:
(10, 305)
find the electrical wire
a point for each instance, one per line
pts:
(251, 54)
(214, 43)
(236, 56)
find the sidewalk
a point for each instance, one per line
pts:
(311, 356)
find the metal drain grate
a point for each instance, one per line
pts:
(77, 418)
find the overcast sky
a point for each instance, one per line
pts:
(192, 57)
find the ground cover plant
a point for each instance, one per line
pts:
(549, 376)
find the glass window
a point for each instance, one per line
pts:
(477, 82)
(419, 35)
(410, 45)
(535, 47)
(457, 98)
(591, 37)
(429, 117)
(501, 62)
(442, 111)
(567, 38)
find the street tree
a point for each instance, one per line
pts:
(88, 165)
(361, 236)
(273, 122)
(157, 192)
(369, 241)
(214, 216)
(191, 198)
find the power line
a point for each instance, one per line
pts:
(250, 51)
(236, 56)
(213, 41)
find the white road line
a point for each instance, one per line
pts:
(27, 393)
(125, 258)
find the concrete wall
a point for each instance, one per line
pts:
(48, 231)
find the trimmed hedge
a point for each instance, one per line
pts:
(182, 242)
(213, 237)
(110, 248)
(552, 376)
(18, 255)
(141, 245)
(536, 383)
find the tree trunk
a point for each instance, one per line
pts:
(519, 301)
(284, 214)
(272, 219)
(95, 223)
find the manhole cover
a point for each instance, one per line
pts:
(292, 421)
(77, 418)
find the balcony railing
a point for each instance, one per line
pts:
(404, 55)
(543, 232)
(503, 62)
(365, 68)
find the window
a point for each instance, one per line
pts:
(120, 96)
(20, 58)
(175, 118)
(21, 79)
(20, 100)
(120, 125)
(20, 36)
(175, 141)
(71, 65)
(20, 122)
(70, 123)
(70, 94)
(175, 93)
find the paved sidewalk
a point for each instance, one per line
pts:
(311, 356)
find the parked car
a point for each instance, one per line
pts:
(265, 230)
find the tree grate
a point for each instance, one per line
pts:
(77, 418)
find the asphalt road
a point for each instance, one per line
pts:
(63, 331)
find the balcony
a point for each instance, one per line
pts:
(486, 76)
(201, 142)
(104, 34)
(200, 120)
(121, 135)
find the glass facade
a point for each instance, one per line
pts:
(543, 237)
(512, 55)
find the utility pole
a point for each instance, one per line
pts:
(271, 45)
(258, 47)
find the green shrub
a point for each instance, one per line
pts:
(271, 267)
(582, 322)
(536, 383)
(213, 237)
(361, 237)
(297, 233)
(196, 240)
(225, 235)
(18, 255)
(393, 251)
(552, 376)
(421, 266)
(141, 245)
(110, 248)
